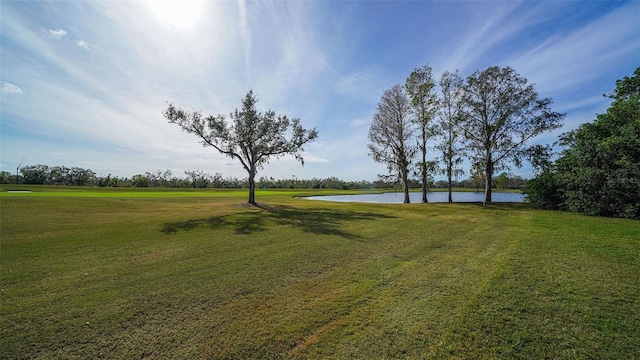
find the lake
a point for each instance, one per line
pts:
(416, 197)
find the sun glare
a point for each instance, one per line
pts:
(181, 13)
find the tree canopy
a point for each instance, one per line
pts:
(598, 171)
(501, 112)
(448, 127)
(251, 137)
(420, 87)
(390, 136)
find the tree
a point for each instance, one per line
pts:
(543, 191)
(599, 170)
(424, 101)
(502, 181)
(448, 126)
(501, 113)
(390, 134)
(251, 137)
(139, 180)
(199, 179)
(6, 177)
(104, 181)
(35, 174)
(59, 175)
(477, 178)
(80, 176)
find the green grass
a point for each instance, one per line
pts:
(93, 273)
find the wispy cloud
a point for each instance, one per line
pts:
(287, 60)
(482, 30)
(107, 112)
(83, 44)
(245, 34)
(311, 158)
(584, 54)
(57, 34)
(366, 85)
(9, 88)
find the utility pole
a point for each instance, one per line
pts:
(18, 169)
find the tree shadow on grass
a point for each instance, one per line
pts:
(319, 221)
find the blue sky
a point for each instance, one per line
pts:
(84, 83)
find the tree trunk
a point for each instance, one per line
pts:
(252, 188)
(405, 186)
(424, 188)
(488, 183)
(424, 169)
(449, 176)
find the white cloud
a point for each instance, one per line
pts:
(56, 34)
(9, 88)
(83, 44)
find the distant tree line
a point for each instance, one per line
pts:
(477, 181)
(76, 176)
(598, 170)
(50, 175)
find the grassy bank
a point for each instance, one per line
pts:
(195, 274)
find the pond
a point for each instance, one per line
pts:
(416, 197)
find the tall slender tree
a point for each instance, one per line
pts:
(390, 136)
(420, 86)
(251, 137)
(448, 126)
(501, 113)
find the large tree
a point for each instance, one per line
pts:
(598, 173)
(448, 127)
(390, 136)
(501, 113)
(251, 137)
(420, 86)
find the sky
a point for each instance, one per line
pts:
(85, 83)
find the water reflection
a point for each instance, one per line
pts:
(416, 197)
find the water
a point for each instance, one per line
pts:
(416, 197)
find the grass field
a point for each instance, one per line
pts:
(195, 274)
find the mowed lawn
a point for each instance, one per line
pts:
(195, 274)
